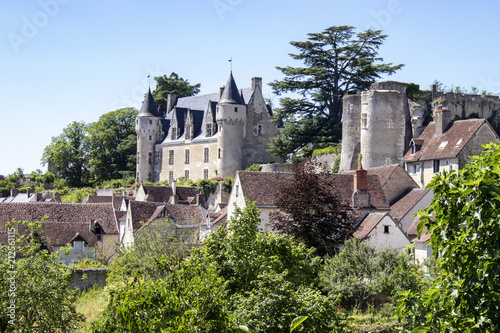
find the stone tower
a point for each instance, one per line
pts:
(376, 123)
(149, 130)
(231, 120)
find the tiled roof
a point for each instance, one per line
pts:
(65, 220)
(163, 193)
(261, 187)
(222, 217)
(117, 200)
(186, 215)
(369, 222)
(383, 172)
(448, 144)
(402, 206)
(412, 232)
(142, 212)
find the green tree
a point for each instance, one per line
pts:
(337, 61)
(317, 216)
(463, 219)
(35, 293)
(172, 84)
(68, 154)
(113, 143)
(358, 272)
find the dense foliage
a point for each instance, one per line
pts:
(337, 61)
(172, 84)
(326, 223)
(359, 273)
(35, 294)
(463, 219)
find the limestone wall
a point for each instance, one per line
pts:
(351, 132)
(86, 278)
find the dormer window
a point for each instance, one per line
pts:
(188, 133)
(174, 133)
(209, 129)
(459, 142)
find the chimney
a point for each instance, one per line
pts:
(256, 82)
(14, 192)
(171, 101)
(200, 199)
(221, 90)
(442, 118)
(174, 198)
(360, 195)
(29, 192)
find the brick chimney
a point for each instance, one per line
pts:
(221, 90)
(442, 118)
(256, 82)
(360, 195)
(14, 192)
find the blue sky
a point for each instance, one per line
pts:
(67, 60)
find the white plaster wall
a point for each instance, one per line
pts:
(422, 252)
(423, 203)
(395, 239)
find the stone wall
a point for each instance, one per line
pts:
(94, 277)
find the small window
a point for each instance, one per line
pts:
(170, 176)
(174, 133)
(236, 190)
(186, 174)
(209, 129)
(220, 153)
(364, 120)
(150, 138)
(259, 129)
(205, 173)
(459, 142)
(138, 157)
(150, 121)
(386, 229)
(187, 157)
(436, 166)
(443, 144)
(206, 155)
(236, 109)
(170, 157)
(150, 158)
(78, 246)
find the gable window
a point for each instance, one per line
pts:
(138, 157)
(78, 246)
(186, 156)
(209, 129)
(170, 157)
(236, 190)
(205, 173)
(386, 229)
(206, 155)
(98, 231)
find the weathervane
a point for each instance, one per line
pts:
(231, 61)
(149, 80)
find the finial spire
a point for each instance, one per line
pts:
(231, 61)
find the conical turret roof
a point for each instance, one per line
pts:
(149, 108)
(231, 95)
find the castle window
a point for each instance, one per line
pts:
(170, 176)
(138, 157)
(205, 173)
(188, 134)
(259, 129)
(205, 154)
(364, 120)
(150, 158)
(170, 157)
(236, 109)
(186, 174)
(186, 155)
(150, 138)
(386, 229)
(174, 133)
(209, 129)
(150, 121)
(220, 153)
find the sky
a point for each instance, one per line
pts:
(75, 60)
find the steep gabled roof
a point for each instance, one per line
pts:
(262, 187)
(406, 203)
(449, 144)
(369, 222)
(186, 215)
(64, 222)
(163, 193)
(149, 108)
(231, 95)
(142, 212)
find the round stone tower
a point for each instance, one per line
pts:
(148, 129)
(231, 118)
(385, 124)
(351, 132)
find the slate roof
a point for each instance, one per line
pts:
(462, 130)
(149, 108)
(367, 225)
(401, 207)
(163, 193)
(261, 187)
(231, 95)
(65, 220)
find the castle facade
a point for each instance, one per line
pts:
(204, 136)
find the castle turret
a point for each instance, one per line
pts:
(149, 130)
(231, 117)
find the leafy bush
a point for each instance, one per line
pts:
(333, 149)
(254, 167)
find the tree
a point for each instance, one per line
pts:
(35, 293)
(68, 154)
(172, 84)
(337, 61)
(358, 272)
(113, 145)
(463, 219)
(310, 210)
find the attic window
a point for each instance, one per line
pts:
(78, 246)
(443, 144)
(459, 142)
(386, 229)
(98, 231)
